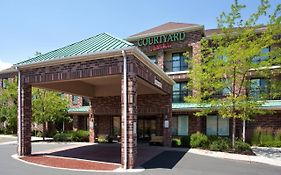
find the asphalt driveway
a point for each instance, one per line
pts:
(168, 162)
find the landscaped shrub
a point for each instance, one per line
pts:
(220, 144)
(82, 136)
(176, 142)
(241, 146)
(72, 136)
(256, 136)
(266, 137)
(277, 138)
(198, 140)
(103, 138)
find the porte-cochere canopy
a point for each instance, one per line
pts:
(94, 67)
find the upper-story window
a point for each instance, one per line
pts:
(85, 101)
(263, 55)
(176, 64)
(259, 88)
(153, 59)
(75, 99)
(179, 92)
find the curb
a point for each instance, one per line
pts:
(231, 156)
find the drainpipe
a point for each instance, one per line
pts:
(244, 130)
(125, 107)
(19, 114)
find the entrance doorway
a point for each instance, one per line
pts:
(146, 128)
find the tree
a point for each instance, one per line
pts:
(48, 106)
(229, 59)
(8, 105)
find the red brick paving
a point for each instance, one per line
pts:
(70, 163)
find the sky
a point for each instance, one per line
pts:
(44, 25)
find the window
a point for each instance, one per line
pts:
(258, 88)
(179, 92)
(179, 62)
(85, 101)
(217, 126)
(153, 59)
(263, 55)
(75, 100)
(180, 125)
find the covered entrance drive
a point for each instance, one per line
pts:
(120, 81)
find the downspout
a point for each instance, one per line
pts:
(125, 88)
(19, 114)
(244, 130)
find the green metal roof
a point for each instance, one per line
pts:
(183, 106)
(78, 109)
(99, 43)
(267, 104)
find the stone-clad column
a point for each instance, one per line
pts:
(24, 118)
(131, 121)
(92, 124)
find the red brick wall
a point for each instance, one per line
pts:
(265, 121)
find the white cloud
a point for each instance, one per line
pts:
(4, 65)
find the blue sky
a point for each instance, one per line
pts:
(33, 25)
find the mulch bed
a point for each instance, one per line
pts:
(70, 163)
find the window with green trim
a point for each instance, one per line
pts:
(75, 100)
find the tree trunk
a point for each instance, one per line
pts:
(233, 132)
(44, 130)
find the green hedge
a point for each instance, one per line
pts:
(219, 144)
(214, 143)
(72, 136)
(266, 137)
(198, 140)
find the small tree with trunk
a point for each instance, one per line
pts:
(48, 107)
(221, 74)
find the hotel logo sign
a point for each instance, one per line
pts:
(161, 39)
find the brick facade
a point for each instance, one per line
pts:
(103, 109)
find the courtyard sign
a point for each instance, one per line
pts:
(161, 39)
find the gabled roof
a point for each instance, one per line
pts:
(210, 32)
(165, 28)
(99, 43)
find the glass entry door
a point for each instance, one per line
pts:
(146, 128)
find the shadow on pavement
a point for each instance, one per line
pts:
(165, 160)
(102, 152)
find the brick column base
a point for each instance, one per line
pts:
(24, 119)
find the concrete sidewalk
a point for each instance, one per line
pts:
(259, 158)
(11, 139)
